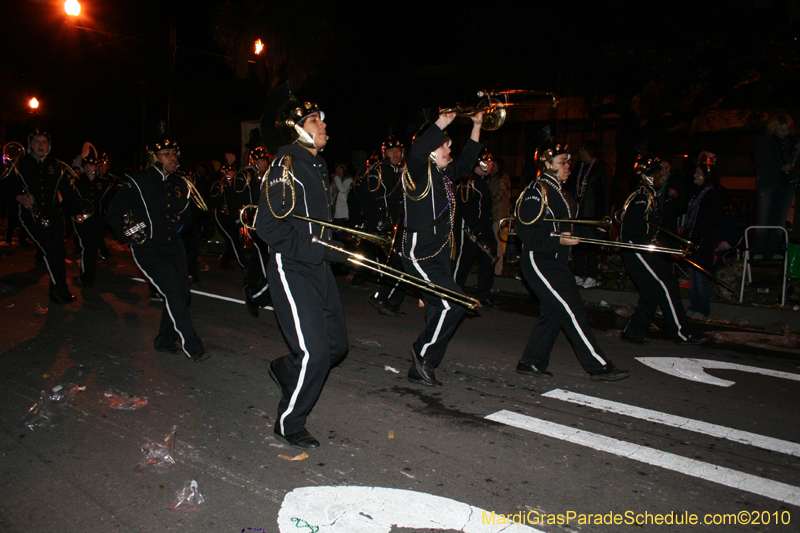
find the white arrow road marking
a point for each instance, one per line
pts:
(380, 510)
(724, 476)
(212, 295)
(693, 369)
(722, 432)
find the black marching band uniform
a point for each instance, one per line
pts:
(651, 272)
(149, 212)
(545, 265)
(228, 195)
(380, 200)
(429, 203)
(256, 284)
(474, 232)
(47, 182)
(304, 292)
(91, 188)
(588, 181)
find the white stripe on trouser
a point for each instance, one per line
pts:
(300, 340)
(44, 253)
(460, 251)
(166, 302)
(569, 312)
(83, 248)
(666, 292)
(444, 302)
(231, 242)
(260, 259)
(262, 291)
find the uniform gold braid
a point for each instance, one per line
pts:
(217, 188)
(287, 177)
(408, 183)
(467, 185)
(542, 194)
(380, 179)
(194, 194)
(629, 200)
(246, 180)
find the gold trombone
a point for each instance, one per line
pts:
(386, 242)
(604, 222)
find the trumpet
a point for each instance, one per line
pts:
(482, 245)
(36, 215)
(133, 229)
(494, 108)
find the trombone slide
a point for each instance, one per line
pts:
(627, 245)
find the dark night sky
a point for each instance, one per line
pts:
(384, 65)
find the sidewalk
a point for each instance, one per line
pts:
(759, 317)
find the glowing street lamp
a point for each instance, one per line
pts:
(33, 103)
(259, 46)
(72, 8)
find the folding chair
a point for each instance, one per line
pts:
(749, 263)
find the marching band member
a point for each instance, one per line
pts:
(651, 272)
(41, 188)
(381, 204)
(545, 265)
(475, 238)
(91, 188)
(429, 203)
(304, 292)
(149, 212)
(256, 285)
(229, 195)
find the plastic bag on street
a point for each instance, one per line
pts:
(158, 457)
(64, 394)
(188, 498)
(42, 414)
(124, 402)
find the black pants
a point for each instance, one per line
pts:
(467, 253)
(230, 232)
(50, 241)
(392, 290)
(255, 280)
(309, 310)
(586, 257)
(165, 267)
(89, 234)
(191, 241)
(441, 316)
(561, 307)
(657, 286)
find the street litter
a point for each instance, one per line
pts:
(756, 339)
(64, 393)
(300, 457)
(157, 456)
(625, 310)
(390, 369)
(613, 333)
(188, 498)
(123, 401)
(42, 414)
(369, 341)
(391, 434)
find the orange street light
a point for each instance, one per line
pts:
(259, 46)
(33, 103)
(72, 8)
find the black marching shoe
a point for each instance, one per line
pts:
(301, 439)
(427, 373)
(202, 355)
(609, 373)
(532, 370)
(628, 338)
(381, 306)
(252, 306)
(487, 303)
(172, 347)
(281, 386)
(695, 338)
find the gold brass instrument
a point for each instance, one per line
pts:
(482, 245)
(494, 104)
(386, 242)
(87, 208)
(604, 222)
(133, 229)
(12, 153)
(438, 290)
(628, 245)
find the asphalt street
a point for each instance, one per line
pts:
(490, 447)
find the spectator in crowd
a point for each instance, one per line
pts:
(500, 187)
(776, 159)
(342, 183)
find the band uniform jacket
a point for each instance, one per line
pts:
(297, 183)
(588, 185)
(540, 236)
(474, 201)
(49, 185)
(160, 200)
(642, 212)
(380, 196)
(427, 214)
